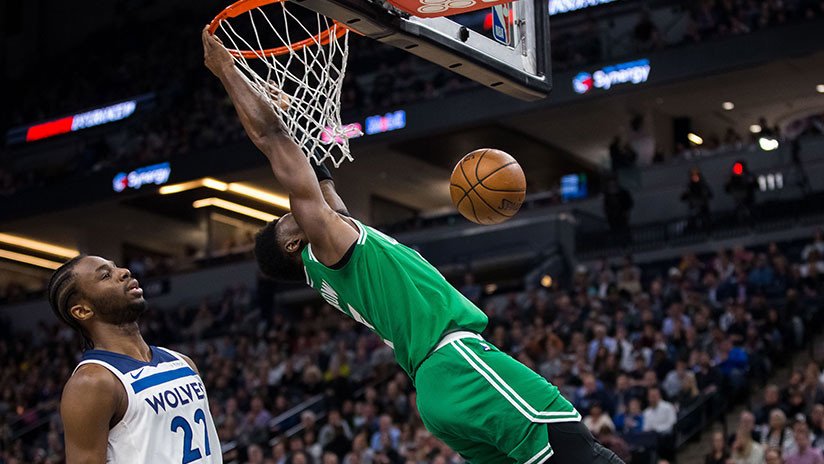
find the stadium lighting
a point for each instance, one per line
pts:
(234, 207)
(35, 245)
(193, 184)
(177, 188)
(546, 281)
(257, 194)
(214, 184)
(234, 187)
(755, 129)
(728, 105)
(695, 139)
(819, 88)
(767, 143)
(27, 259)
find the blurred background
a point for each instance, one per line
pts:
(670, 235)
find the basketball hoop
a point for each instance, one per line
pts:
(299, 53)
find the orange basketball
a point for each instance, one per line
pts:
(487, 186)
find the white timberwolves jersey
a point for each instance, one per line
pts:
(168, 419)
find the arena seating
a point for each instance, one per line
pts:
(306, 380)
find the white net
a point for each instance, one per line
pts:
(283, 49)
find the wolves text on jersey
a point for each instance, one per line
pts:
(177, 396)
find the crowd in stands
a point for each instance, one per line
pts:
(592, 41)
(787, 426)
(636, 349)
(192, 114)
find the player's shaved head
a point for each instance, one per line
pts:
(273, 259)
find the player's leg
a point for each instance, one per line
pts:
(492, 407)
(574, 444)
(444, 398)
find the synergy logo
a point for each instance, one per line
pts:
(633, 72)
(157, 174)
(582, 83)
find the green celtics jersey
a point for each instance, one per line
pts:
(391, 289)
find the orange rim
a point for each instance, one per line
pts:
(236, 9)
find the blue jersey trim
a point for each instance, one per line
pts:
(124, 363)
(160, 378)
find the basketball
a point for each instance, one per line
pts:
(487, 186)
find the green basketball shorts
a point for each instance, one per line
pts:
(486, 405)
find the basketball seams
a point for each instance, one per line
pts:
(491, 189)
(466, 195)
(458, 203)
(478, 166)
(480, 181)
(496, 170)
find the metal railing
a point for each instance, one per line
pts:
(594, 236)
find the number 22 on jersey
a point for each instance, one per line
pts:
(192, 454)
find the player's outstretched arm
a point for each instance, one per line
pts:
(330, 236)
(91, 399)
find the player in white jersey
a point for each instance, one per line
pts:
(126, 402)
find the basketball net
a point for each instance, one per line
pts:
(307, 64)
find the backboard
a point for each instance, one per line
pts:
(519, 67)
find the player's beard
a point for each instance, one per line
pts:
(122, 314)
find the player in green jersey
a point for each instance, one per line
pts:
(478, 400)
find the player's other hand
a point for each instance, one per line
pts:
(215, 56)
(278, 96)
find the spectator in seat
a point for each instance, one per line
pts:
(256, 422)
(336, 435)
(719, 454)
(805, 453)
(674, 380)
(596, 420)
(361, 453)
(816, 245)
(632, 420)
(733, 361)
(660, 415)
(777, 434)
(385, 430)
(772, 401)
(762, 275)
(746, 423)
(745, 450)
(697, 196)
(591, 393)
(773, 456)
(707, 377)
(601, 339)
(689, 392)
(254, 454)
(816, 424)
